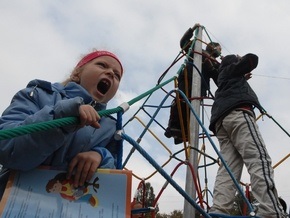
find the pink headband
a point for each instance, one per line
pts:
(97, 54)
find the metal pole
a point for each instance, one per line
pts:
(190, 188)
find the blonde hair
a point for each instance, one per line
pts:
(75, 71)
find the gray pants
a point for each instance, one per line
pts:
(241, 143)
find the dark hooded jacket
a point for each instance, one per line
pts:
(233, 89)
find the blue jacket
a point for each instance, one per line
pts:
(233, 88)
(42, 101)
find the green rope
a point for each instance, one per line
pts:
(42, 126)
(207, 34)
(134, 100)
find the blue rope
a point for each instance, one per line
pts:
(120, 142)
(230, 216)
(164, 174)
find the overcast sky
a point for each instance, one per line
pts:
(45, 40)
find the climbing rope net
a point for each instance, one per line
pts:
(157, 154)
